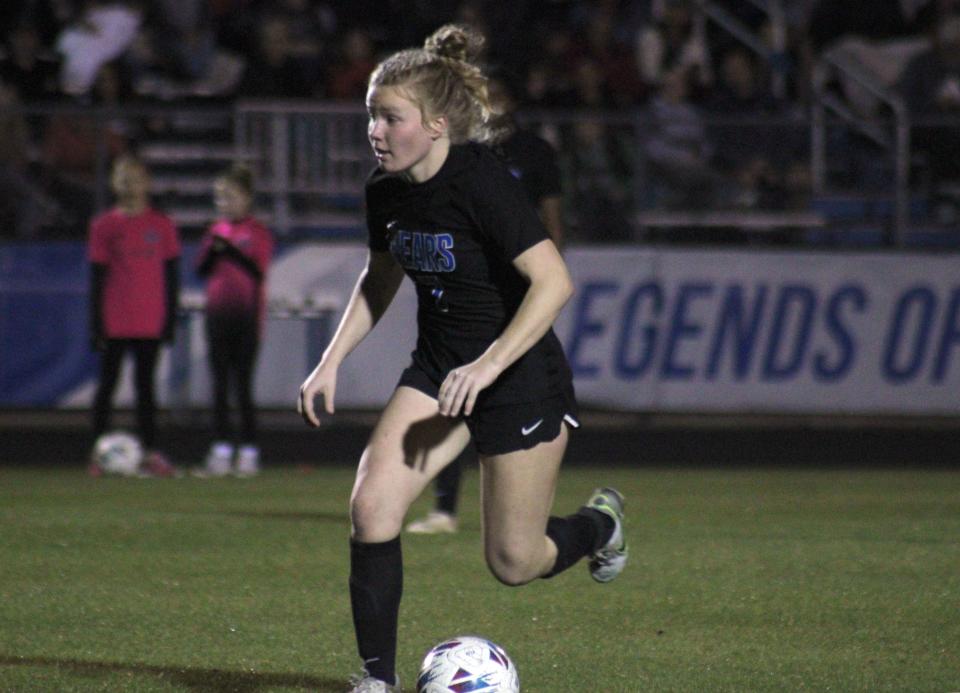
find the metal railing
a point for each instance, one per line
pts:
(312, 158)
(299, 150)
(317, 154)
(836, 64)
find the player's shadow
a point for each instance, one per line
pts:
(293, 516)
(422, 437)
(212, 680)
(279, 515)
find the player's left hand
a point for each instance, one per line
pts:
(459, 390)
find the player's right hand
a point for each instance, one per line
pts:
(321, 382)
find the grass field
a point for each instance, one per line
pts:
(740, 580)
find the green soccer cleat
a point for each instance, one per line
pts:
(608, 561)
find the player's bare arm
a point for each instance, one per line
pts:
(550, 289)
(372, 295)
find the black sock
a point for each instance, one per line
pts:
(577, 536)
(376, 585)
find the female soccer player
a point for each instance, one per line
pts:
(234, 256)
(533, 161)
(445, 211)
(134, 253)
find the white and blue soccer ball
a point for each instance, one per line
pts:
(467, 664)
(118, 453)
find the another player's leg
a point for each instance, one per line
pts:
(111, 359)
(409, 445)
(248, 454)
(145, 360)
(219, 459)
(155, 463)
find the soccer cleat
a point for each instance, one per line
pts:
(436, 522)
(248, 461)
(608, 561)
(217, 462)
(367, 684)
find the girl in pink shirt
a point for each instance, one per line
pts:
(134, 252)
(234, 255)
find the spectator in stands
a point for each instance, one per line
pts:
(548, 82)
(878, 37)
(742, 88)
(134, 252)
(151, 68)
(355, 62)
(274, 71)
(186, 35)
(311, 31)
(77, 144)
(590, 87)
(102, 32)
(598, 163)
(49, 16)
(931, 87)
(28, 67)
(234, 256)
(176, 55)
(831, 20)
(625, 18)
(677, 150)
(748, 148)
(22, 202)
(675, 39)
(598, 43)
(394, 24)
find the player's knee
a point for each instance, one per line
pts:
(373, 520)
(511, 565)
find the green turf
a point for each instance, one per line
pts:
(739, 581)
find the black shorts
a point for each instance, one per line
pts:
(499, 429)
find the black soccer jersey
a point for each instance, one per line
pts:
(456, 236)
(531, 160)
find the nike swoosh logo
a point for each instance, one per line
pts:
(527, 430)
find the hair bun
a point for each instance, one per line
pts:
(455, 41)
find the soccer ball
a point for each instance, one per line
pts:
(118, 453)
(467, 663)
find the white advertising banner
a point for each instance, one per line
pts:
(722, 331)
(676, 330)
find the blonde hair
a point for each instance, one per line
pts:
(240, 176)
(122, 165)
(127, 161)
(442, 78)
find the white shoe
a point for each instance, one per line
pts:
(248, 461)
(436, 522)
(217, 463)
(368, 684)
